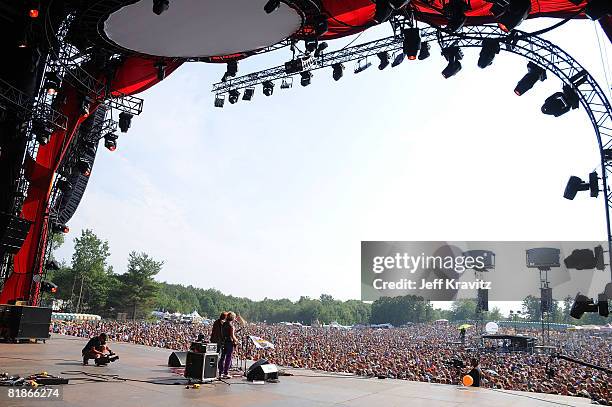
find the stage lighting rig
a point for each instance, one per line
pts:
(412, 43)
(60, 228)
(453, 55)
(510, 13)
(320, 48)
(41, 131)
(110, 141)
(310, 45)
(362, 65)
(159, 6)
(338, 71)
(384, 60)
(597, 9)
(63, 185)
(271, 6)
(52, 83)
(306, 78)
(490, 48)
(33, 9)
(48, 287)
(399, 58)
(424, 53)
(86, 103)
(52, 265)
(561, 102)
(268, 88)
(231, 70)
(287, 83)
(583, 304)
(454, 11)
(534, 74)
(84, 167)
(233, 97)
(125, 121)
(219, 100)
(248, 94)
(300, 64)
(575, 184)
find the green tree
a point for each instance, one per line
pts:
(137, 287)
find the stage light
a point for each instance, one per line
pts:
(511, 13)
(219, 100)
(86, 105)
(231, 71)
(454, 11)
(320, 25)
(575, 184)
(33, 12)
(596, 9)
(52, 83)
(161, 70)
(306, 78)
(48, 287)
(41, 131)
(268, 88)
(248, 94)
(383, 11)
(110, 141)
(234, 95)
(271, 6)
(561, 102)
(362, 65)
(490, 48)
(125, 121)
(424, 54)
(52, 265)
(412, 43)
(399, 58)
(320, 48)
(338, 71)
(384, 60)
(310, 45)
(63, 185)
(60, 228)
(453, 55)
(534, 74)
(287, 83)
(159, 6)
(84, 167)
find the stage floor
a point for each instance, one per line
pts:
(305, 388)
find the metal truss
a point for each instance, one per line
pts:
(542, 52)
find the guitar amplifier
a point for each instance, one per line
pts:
(203, 347)
(201, 366)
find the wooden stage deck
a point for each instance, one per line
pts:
(305, 388)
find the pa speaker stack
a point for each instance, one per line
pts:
(262, 370)
(201, 366)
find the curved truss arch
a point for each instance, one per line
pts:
(534, 48)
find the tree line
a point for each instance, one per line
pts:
(90, 285)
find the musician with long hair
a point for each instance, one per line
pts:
(229, 342)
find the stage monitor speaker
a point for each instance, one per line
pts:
(201, 366)
(483, 300)
(546, 299)
(262, 370)
(177, 359)
(13, 231)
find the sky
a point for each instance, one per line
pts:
(271, 198)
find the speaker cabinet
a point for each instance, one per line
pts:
(177, 359)
(483, 300)
(201, 366)
(13, 231)
(546, 299)
(22, 322)
(262, 370)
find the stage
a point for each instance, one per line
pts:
(305, 388)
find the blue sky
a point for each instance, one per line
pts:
(271, 198)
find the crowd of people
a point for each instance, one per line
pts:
(421, 352)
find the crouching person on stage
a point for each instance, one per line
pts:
(97, 349)
(229, 342)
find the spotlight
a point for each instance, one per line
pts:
(52, 265)
(384, 60)
(125, 121)
(511, 14)
(231, 71)
(60, 228)
(306, 78)
(338, 71)
(234, 95)
(52, 83)
(159, 6)
(110, 141)
(534, 74)
(41, 131)
(575, 184)
(383, 11)
(320, 48)
(424, 54)
(455, 13)
(48, 287)
(561, 102)
(84, 167)
(161, 70)
(271, 6)
(412, 43)
(268, 88)
(86, 105)
(287, 83)
(362, 65)
(453, 55)
(399, 58)
(490, 48)
(310, 45)
(248, 94)
(33, 12)
(596, 9)
(219, 100)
